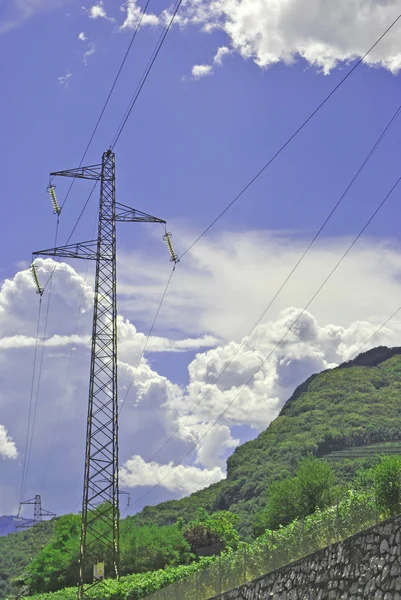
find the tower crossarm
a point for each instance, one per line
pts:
(132, 215)
(84, 250)
(93, 172)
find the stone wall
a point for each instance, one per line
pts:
(364, 566)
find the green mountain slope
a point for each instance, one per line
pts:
(349, 415)
(16, 552)
(356, 404)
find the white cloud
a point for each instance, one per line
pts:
(135, 472)
(8, 448)
(133, 16)
(82, 37)
(229, 278)
(64, 79)
(200, 71)
(221, 53)
(215, 297)
(323, 34)
(97, 11)
(91, 50)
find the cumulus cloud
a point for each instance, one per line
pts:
(267, 32)
(97, 11)
(239, 273)
(82, 37)
(221, 53)
(323, 34)
(200, 71)
(8, 448)
(133, 16)
(221, 289)
(135, 472)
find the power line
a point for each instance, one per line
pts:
(127, 114)
(147, 338)
(145, 76)
(289, 329)
(289, 140)
(22, 490)
(109, 95)
(273, 299)
(60, 408)
(71, 234)
(375, 333)
(35, 406)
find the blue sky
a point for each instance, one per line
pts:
(232, 82)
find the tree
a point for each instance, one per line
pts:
(315, 485)
(209, 530)
(387, 484)
(298, 496)
(150, 548)
(56, 566)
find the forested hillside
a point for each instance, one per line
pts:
(349, 415)
(355, 404)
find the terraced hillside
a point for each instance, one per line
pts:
(354, 406)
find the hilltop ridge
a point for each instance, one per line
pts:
(357, 403)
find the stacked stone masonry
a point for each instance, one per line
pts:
(364, 566)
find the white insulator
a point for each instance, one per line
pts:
(167, 238)
(52, 193)
(39, 290)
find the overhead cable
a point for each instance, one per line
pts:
(289, 329)
(289, 140)
(383, 134)
(144, 76)
(109, 95)
(147, 338)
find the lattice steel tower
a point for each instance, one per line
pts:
(38, 514)
(100, 506)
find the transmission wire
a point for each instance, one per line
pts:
(273, 299)
(60, 408)
(289, 329)
(147, 338)
(40, 369)
(22, 489)
(289, 140)
(145, 76)
(375, 333)
(109, 96)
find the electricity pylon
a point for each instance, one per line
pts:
(38, 514)
(100, 506)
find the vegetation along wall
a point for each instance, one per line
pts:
(364, 566)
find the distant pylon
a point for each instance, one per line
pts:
(38, 514)
(100, 506)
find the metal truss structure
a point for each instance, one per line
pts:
(100, 506)
(38, 514)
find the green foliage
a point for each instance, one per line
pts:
(150, 548)
(56, 566)
(147, 548)
(311, 489)
(16, 551)
(270, 551)
(132, 587)
(209, 530)
(355, 405)
(350, 415)
(387, 484)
